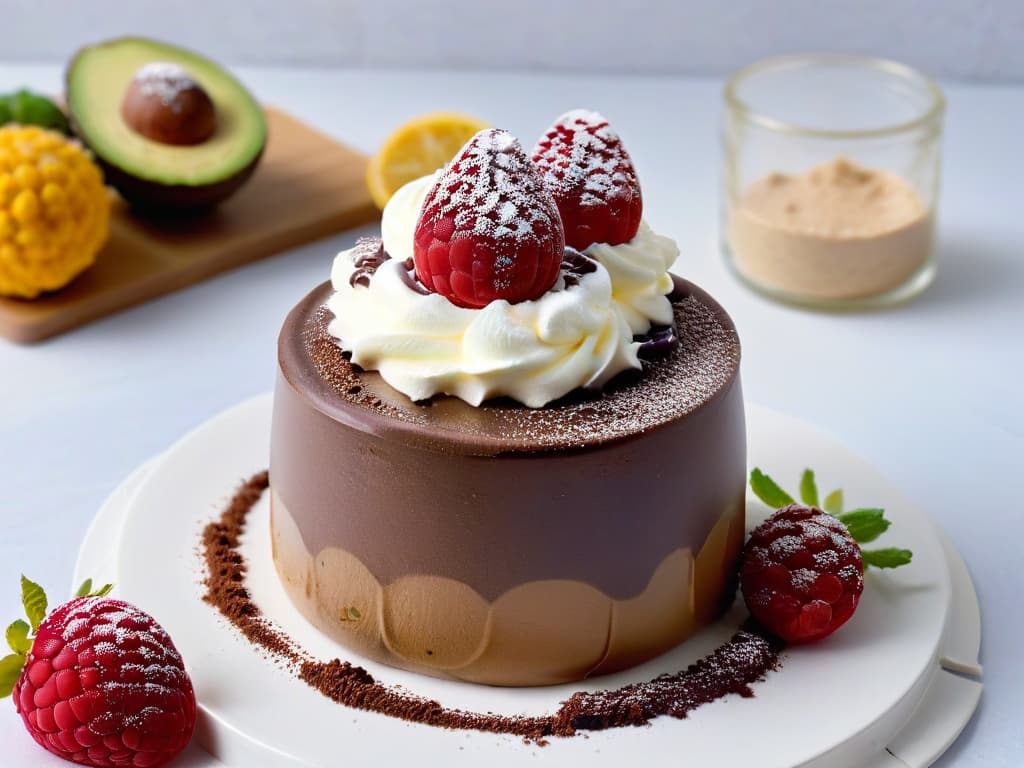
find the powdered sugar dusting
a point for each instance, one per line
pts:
(493, 190)
(831, 523)
(786, 546)
(131, 651)
(849, 572)
(165, 80)
(802, 579)
(731, 669)
(582, 156)
(827, 560)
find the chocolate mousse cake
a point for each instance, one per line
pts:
(524, 478)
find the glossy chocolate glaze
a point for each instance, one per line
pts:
(598, 488)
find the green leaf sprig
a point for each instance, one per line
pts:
(27, 108)
(865, 524)
(21, 634)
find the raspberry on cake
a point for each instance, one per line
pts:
(457, 310)
(585, 167)
(545, 517)
(488, 229)
(590, 174)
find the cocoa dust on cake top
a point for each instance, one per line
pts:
(669, 388)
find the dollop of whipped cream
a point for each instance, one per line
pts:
(579, 334)
(640, 279)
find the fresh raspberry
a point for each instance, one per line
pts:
(488, 229)
(591, 176)
(802, 574)
(103, 685)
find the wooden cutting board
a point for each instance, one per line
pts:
(307, 186)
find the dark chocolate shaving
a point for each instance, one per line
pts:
(660, 341)
(367, 256)
(574, 266)
(410, 279)
(732, 668)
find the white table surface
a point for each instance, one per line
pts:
(929, 392)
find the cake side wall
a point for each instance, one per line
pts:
(517, 567)
(538, 633)
(605, 516)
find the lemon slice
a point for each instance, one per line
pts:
(418, 147)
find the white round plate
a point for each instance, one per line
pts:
(891, 690)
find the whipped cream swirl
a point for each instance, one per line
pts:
(579, 334)
(640, 278)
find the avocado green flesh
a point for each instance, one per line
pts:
(97, 80)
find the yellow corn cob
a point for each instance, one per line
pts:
(54, 210)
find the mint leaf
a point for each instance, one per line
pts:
(887, 558)
(34, 599)
(865, 525)
(808, 489)
(10, 671)
(767, 490)
(30, 108)
(17, 637)
(834, 502)
(86, 590)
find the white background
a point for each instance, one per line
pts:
(930, 393)
(979, 39)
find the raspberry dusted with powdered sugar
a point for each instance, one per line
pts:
(488, 229)
(802, 574)
(802, 570)
(591, 176)
(100, 684)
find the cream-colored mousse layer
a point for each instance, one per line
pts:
(538, 633)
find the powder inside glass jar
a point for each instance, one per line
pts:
(837, 231)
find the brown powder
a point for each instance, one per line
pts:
(837, 231)
(226, 569)
(703, 362)
(355, 687)
(732, 668)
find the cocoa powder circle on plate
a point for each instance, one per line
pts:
(731, 668)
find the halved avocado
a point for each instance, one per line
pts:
(152, 175)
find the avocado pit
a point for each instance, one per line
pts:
(174, 132)
(166, 104)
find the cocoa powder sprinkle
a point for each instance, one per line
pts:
(701, 362)
(226, 570)
(732, 668)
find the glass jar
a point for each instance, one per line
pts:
(830, 179)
